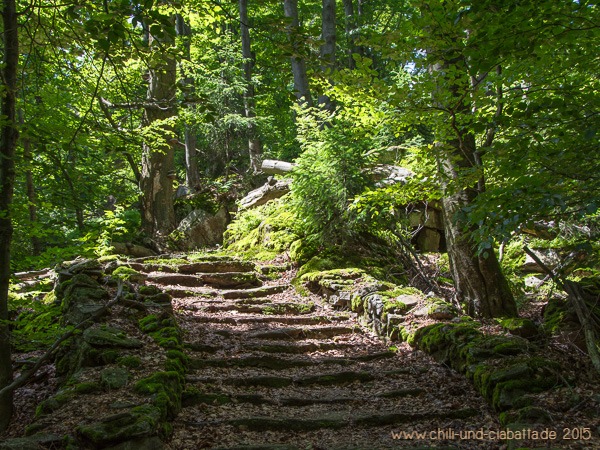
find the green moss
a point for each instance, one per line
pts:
(149, 323)
(302, 250)
(338, 275)
(132, 362)
(127, 274)
(519, 326)
(88, 387)
(166, 389)
(54, 403)
(148, 290)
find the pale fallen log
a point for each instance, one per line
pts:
(274, 167)
(270, 191)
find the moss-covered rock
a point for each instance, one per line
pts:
(519, 326)
(82, 297)
(166, 389)
(126, 273)
(139, 422)
(112, 337)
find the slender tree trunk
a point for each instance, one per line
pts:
(192, 176)
(36, 245)
(329, 42)
(8, 143)
(350, 31)
(254, 144)
(290, 8)
(156, 183)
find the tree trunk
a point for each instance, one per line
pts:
(350, 32)
(328, 48)
(254, 144)
(478, 278)
(8, 143)
(290, 8)
(192, 176)
(36, 245)
(156, 183)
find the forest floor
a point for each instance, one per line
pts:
(270, 369)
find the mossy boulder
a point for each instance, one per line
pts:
(126, 273)
(519, 326)
(302, 250)
(166, 389)
(82, 297)
(105, 336)
(139, 422)
(439, 309)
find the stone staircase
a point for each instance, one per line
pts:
(270, 369)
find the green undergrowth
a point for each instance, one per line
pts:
(34, 319)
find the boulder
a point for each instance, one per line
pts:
(202, 229)
(110, 337)
(549, 257)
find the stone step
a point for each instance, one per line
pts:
(298, 348)
(193, 398)
(267, 308)
(303, 333)
(237, 319)
(225, 280)
(197, 267)
(334, 421)
(256, 292)
(286, 348)
(278, 363)
(196, 293)
(272, 381)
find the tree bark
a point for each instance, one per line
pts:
(254, 144)
(350, 31)
(301, 88)
(192, 176)
(36, 245)
(478, 278)
(8, 143)
(328, 48)
(156, 183)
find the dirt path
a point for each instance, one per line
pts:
(270, 369)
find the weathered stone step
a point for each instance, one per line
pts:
(335, 421)
(193, 398)
(327, 379)
(267, 308)
(278, 363)
(285, 320)
(191, 292)
(219, 280)
(304, 333)
(261, 447)
(178, 266)
(256, 292)
(298, 348)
